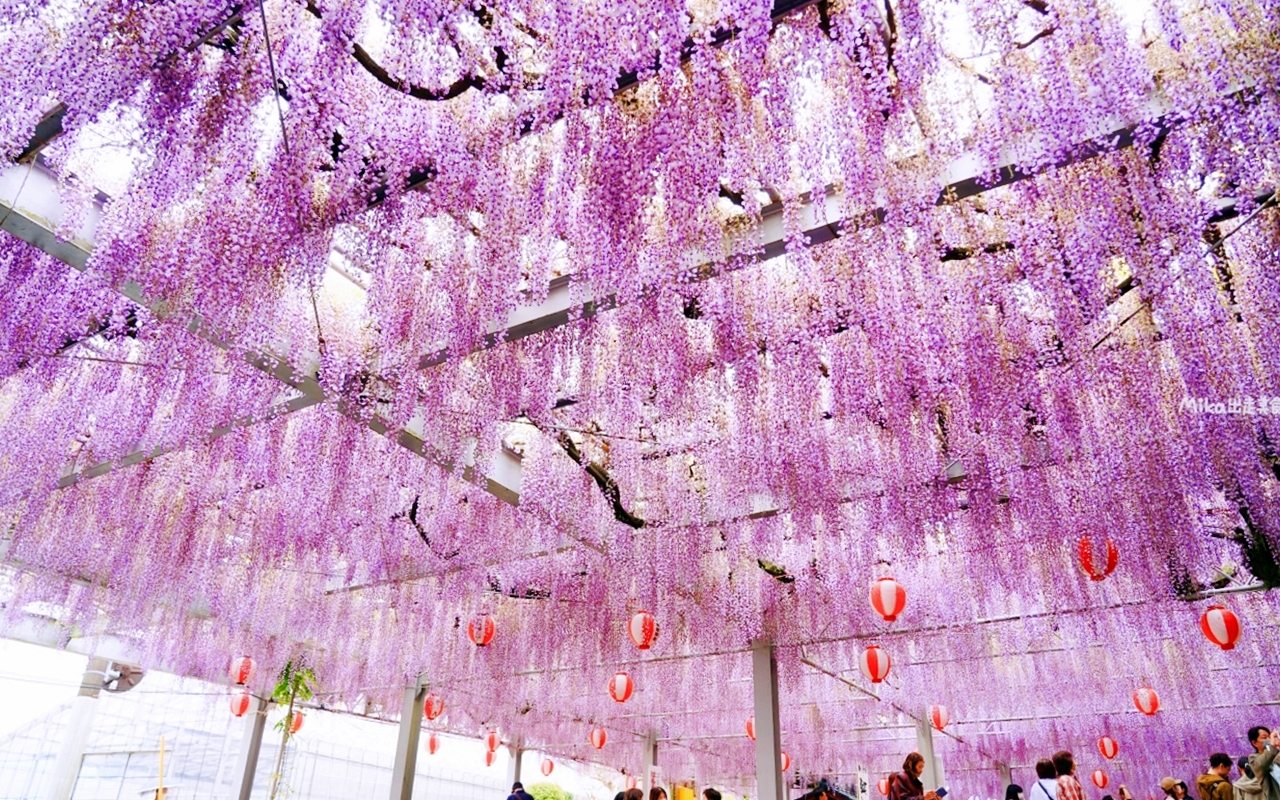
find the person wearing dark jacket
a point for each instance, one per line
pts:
(518, 792)
(906, 785)
(1214, 785)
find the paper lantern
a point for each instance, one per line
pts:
(786, 761)
(433, 744)
(240, 704)
(489, 758)
(492, 740)
(1221, 626)
(888, 598)
(938, 716)
(1099, 778)
(621, 686)
(751, 728)
(481, 630)
(643, 629)
(1096, 567)
(242, 670)
(874, 663)
(883, 786)
(1108, 747)
(1146, 700)
(296, 724)
(547, 766)
(598, 738)
(433, 706)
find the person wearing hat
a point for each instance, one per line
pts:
(1174, 788)
(518, 792)
(1214, 784)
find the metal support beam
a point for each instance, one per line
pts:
(764, 674)
(406, 763)
(649, 778)
(515, 763)
(251, 747)
(933, 776)
(67, 768)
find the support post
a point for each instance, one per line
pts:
(251, 746)
(83, 708)
(406, 764)
(649, 778)
(932, 777)
(764, 676)
(1006, 776)
(514, 763)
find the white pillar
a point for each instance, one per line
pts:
(67, 768)
(764, 676)
(406, 763)
(932, 777)
(1006, 777)
(251, 746)
(648, 779)
(515, 762)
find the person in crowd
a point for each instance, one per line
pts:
(1046, 785)
(634, 794)
(1064, 764)
(1014, 792)
(620, 796)
(518, 792)
(1174, 788)
(1216, 784)
(657, 793)
(710, 794)
(1262, 763)
(1124, 792)
(1107, 797)
(906, 785)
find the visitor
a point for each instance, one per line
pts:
(906, 784)
(1262, 762)
(634, 794)
(518, 792)
(1064, 764)
(710, 794)
(1046, 785)
(1174, 788)
(1014, 792)
(657, 793)
(1249, 787)
(1215, 784)
(620, 796)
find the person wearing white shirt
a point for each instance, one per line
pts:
(1046, 785)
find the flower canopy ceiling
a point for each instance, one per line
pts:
(332, 326)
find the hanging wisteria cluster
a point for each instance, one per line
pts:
(977, 294)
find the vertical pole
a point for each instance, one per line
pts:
(1006, 776)
(514, 763)
(650, 763)
(932, 776)
(764, 676)
(251, 746)
(406, 764)
(67, 768)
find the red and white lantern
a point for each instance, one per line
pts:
(433, 706)
(598, 738)
(643, 629)
(1099, 778)
(296, 724)
(242, 670)
(938, 717)
(1146, 700)
(492, 740)
(888, 598)
(489, 758)
(547, 766)
(1098, 565)
(481, 630)
(883, 786)
(433, 744)
(240, 703)
(751, 728)
(1108, 747)
(1221, 627)
(874, 663)
(786, 761)
(621, 686)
